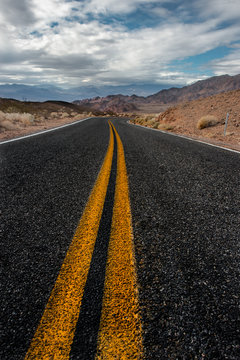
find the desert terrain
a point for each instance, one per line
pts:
(19, 118)
(202, 119)
(198, 111)
(159, 102)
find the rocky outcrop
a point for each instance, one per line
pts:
(169, 97)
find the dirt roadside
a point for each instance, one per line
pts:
(185, 119)
(35, 128)
(228, 141)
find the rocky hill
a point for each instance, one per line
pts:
(202, 118)
(112, 103)
(160, 101)
(200, 89)
(39, 108)
(18, 118)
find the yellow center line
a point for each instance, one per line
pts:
(120, 334)
(55, 332)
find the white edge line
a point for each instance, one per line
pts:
(185, 137)
(44, 131)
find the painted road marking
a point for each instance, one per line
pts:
(120, 332)
(186, 138)
(55, 333)
(86, 333)
(120, 335)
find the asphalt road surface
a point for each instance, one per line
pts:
(184, 200)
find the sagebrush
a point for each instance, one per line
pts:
(206, 121)
(11, 121)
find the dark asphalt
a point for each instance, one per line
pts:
(185, 211)
(45, 184)
(85, 340)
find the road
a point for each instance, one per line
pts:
(177, 295)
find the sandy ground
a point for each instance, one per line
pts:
(213, 135)
(228, 141)
(30, 129)
(183, 119)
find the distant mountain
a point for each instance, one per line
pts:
(45, 109)
(102, 91)
(203, 88)
(48, 92)
(107, 98)
(164, 98)
(31, 93)
(116, 103)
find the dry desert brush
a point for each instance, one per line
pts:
(206, 121)
(11, 121)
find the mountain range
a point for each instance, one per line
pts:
(160, 101)
(121, 100)
(48, 92)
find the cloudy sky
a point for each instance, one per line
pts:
(118, 42)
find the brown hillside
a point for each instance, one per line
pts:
(39, 108)
(114, 103)
(160, 101)
(184, 117)
(19, 118)
(200, 89)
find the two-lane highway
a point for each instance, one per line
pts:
(156, 277)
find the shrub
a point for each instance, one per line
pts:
(206, 121)
(7, 125)
(148, 120)
(155, 125)
(64, 115)
(79, 117)
(165, 127)
(39, 119)
(151, 121)
(25, 119)
(9, 120)
(140, 121)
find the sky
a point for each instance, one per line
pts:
(118, 42)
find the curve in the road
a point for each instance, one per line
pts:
(42, 132)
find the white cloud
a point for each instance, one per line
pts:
(15, 12)
(47, 11)
(147, 51)
(116, 6)
(222, 10)
(76, 50)
(229, 64)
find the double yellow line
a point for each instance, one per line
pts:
(119, 335)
